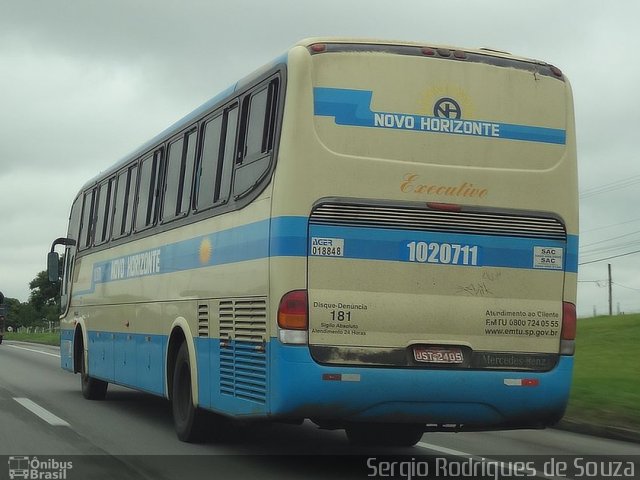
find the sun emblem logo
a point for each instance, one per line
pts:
(434, 96)
(206, 249)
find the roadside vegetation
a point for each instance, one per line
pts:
(606, 389)
(45, 338)
(40, 311)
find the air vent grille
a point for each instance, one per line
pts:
(414, 218)
(203, 320)
(243, 359)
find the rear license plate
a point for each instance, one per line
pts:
(438, 354)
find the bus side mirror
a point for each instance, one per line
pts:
(53, 259)
(53, 266)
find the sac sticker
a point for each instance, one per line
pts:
(550, 258)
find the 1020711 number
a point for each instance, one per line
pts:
(443, 253)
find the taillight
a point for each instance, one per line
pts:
(568, 321)
(292, 312)
(293, 318)
(568, 335)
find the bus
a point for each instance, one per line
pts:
(376, 236)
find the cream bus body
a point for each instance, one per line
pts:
(405, 258)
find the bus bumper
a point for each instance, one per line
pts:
(442, 399)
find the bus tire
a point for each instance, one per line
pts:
(187, 418)
(384, 434)
(92, 388)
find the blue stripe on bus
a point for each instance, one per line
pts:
(293, 384)
(133, 360)
(392, 245)
(289, 238)
(571, 254)
(353, 108)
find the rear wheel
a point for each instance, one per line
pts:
(187, 418)
(385, 434)
(92, 388)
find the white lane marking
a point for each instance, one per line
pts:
(44, 414)
(507, 466)
(446, 451)
(34, 350)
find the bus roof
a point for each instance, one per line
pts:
(482, 55)
(373, 41)
(183, 122)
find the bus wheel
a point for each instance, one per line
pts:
(92, 388)
(385, 434)
(187, 418)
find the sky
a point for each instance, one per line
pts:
(84, 82)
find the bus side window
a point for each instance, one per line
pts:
(174, 169)
(208, 165)
(104, 210)
(256, 111)
(225, 167)
(125, 191)
(146, 208)
(69, 256)
(258, 126)
(187, 177)
(213, 180)
(86, 227)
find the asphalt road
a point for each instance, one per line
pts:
(130, 435)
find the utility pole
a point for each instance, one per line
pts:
(610, 295)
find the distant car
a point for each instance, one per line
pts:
(2, 314)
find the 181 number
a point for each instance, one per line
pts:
(341, 315)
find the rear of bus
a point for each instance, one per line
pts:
(423, 239)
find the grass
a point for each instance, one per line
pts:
(46, 338)
(606, 377)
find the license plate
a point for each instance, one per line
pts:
(438, 354)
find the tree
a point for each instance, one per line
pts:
(43, 305)
(20, 314)
(43, 292)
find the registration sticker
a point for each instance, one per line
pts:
(327, 247)
(550, 258)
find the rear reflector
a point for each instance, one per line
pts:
(293, 311)
(341, 377)
(568, 321)
(521, 382)
(293, 337)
